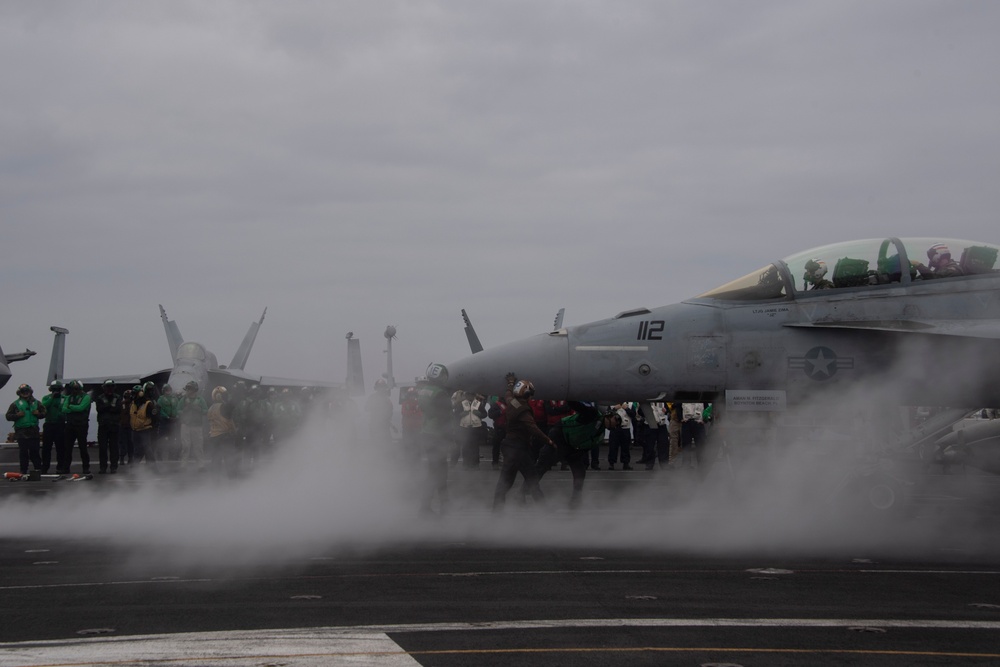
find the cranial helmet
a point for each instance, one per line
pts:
(24, 389)
(815, 270)
(938, 254)
(56, 386)
(191, 386)
(218, 394)
(524, 389)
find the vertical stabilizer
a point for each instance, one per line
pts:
(174, 338)
(243, 353)
(355, 375)
(58, 359)
(470, 333)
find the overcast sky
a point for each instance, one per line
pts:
(355, 164)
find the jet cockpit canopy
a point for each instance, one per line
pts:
(857, 264)
(196, 353)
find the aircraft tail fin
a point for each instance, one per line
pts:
(355, 373)
(557, 324)
(243, 353)
(174, 338)
(58, 359)
(470, 333)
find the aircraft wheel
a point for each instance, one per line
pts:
(884, 495)
(873, 495)
(881, 494)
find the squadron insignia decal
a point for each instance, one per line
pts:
(820, 363)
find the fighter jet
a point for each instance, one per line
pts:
(7, 359)
(916, 320)
(192, 361)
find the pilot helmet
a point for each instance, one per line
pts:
(938, 254)
(524, 389)
(815, 270)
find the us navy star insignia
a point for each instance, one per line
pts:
(820, 363)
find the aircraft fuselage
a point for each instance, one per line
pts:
(914, 342)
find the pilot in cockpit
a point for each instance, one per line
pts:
(940, 264)
(814, 277)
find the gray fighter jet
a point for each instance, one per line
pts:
(192, 361)
(914, 321)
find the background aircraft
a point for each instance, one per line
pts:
(192, 361)
(7, 359)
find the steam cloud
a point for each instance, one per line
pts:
(781, 492)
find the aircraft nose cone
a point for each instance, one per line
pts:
(542, 359)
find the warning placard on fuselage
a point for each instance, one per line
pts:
(755, 400)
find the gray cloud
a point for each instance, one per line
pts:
(355, 164)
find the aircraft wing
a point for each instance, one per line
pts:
(19, 356)
(270, 381)
(226, 377)
(90, 383)
(987, 329)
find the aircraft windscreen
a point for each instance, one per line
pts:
(881, 262)
(970, 257)
(760, 285)
(851, 264)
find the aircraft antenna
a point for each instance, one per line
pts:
(390, 335)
